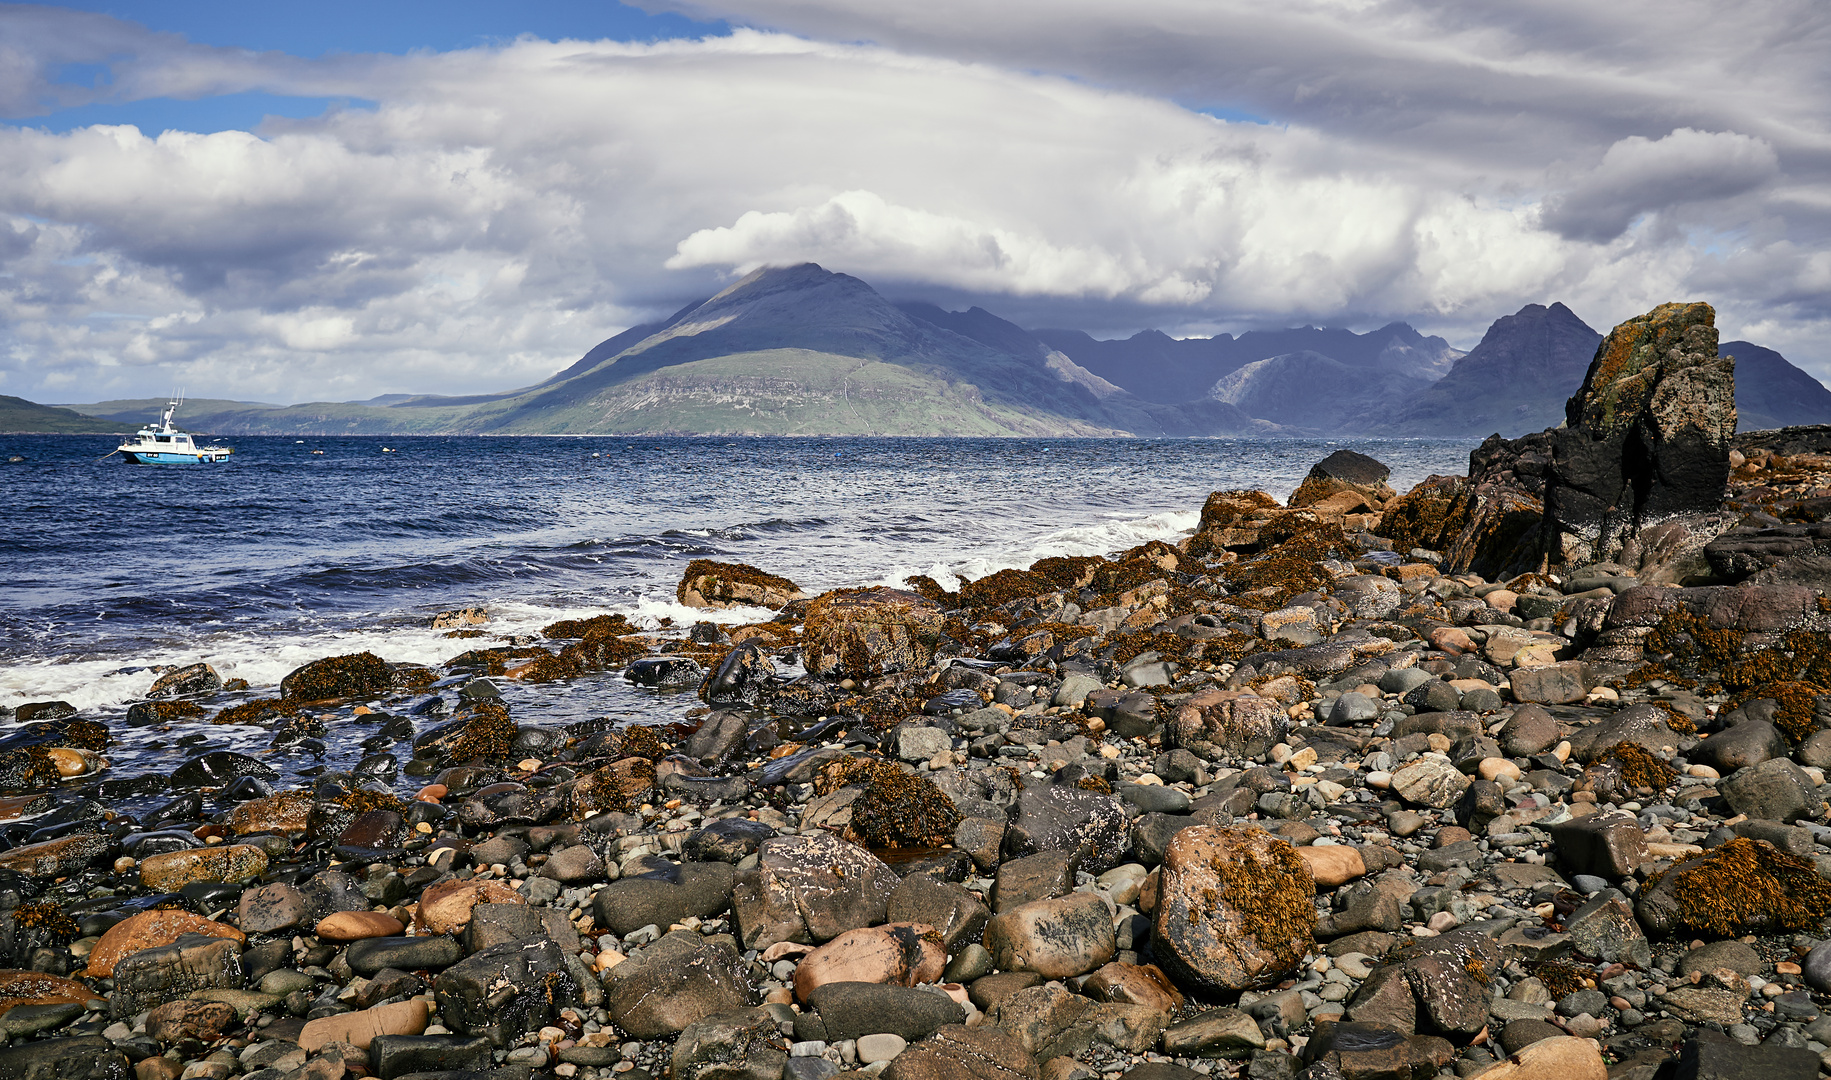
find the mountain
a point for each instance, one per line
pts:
(785, 351)
(1515, 381)
(1309, 390)
(1529, 364)
(19, 416)
(1160, 368)
(1772, 393)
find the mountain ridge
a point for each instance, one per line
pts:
(800, 350)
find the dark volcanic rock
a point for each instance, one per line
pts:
(1647, 436)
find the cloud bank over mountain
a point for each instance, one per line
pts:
(498, 209)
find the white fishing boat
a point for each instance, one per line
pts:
(163, 444)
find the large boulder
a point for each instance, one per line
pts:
(1646, 436)
(1228, 723)
(678, 980)
(1234, 909)
(709, 584)
(810, 889)
(869, 632)
(1344, 471)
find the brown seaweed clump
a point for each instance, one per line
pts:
(644, 742)
(1797, 706)
(902, 810)
(42, 924)
(1258, 885)
(850, 770)
(329, 817)
(621, 786)
(596, 626)
(1561, 979)
(1639, 768)
(28, 769)
(1001, 588)
(356, 675)
(258, 711)
(930, 590)
(487, 735)
(1745, 886)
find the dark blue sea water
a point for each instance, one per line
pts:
(283, 554)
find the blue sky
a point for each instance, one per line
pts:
(338, 26)
(341, 200)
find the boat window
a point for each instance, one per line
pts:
(162, 438)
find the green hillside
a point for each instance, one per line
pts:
(19, 416)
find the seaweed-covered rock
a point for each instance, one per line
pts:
(1344, 471)
(899, 809)
(1646, 435)
(870, 632)
(1228, 723)
(1234, 908)
(1745, 886)
(355, 675)
(483, 733)
(709, 584)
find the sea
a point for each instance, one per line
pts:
(301, 548)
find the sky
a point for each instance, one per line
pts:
(286, 202)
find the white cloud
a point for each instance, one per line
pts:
(500, 210)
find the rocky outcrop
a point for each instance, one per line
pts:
(862, 632)
(1646, 436)
(1345, 471)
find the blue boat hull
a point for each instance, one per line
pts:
(142, 458)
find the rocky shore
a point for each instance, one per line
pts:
(1516, 775)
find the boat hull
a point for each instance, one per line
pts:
(167, 457)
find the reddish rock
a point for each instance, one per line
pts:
(900, 953)
(149, 930)
(446, 909)
(1234, 908)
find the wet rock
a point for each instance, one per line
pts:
(1234, 908)
(219, 768)
(1645, 725)
(1071, 821)
(173, 870)
(677, 980)
(187, 681)
(288, 812)
(504, 990)
(370, 955)
(56, 858)
(847, 1010)
(393, 1056)
(1057, 938)
(729, 840)
(149, 930)
(665, 672)
(188, 1021)
(347, 926)
(1344, 471)
(810, 889)
(862, 632)
(740, 678)
(900, 953)
(86, 1057)
(154, 976)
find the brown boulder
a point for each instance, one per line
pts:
(957, 1052)
(901, 953)
(1057, 938)
(361, 1028)
(287, 812)
(1134, 984)
(1344, 472)
(709, 584)
(870, 632)
(149, 930)
(357, 925)
(1234, 908)
(172, 870)
(446, 908)
(189, 1021)
(38, 988)
(62, 857)
(356, 675)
